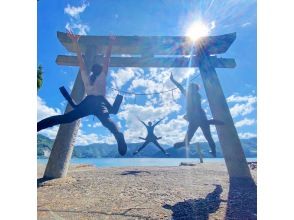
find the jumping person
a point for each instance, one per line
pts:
(150, 138)
(195, 116)
(95, 102)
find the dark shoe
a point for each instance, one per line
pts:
(135, 152)
(122, 146)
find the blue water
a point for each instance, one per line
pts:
(124, 162)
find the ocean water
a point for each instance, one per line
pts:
(125, 162)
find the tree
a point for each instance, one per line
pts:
(39, 76)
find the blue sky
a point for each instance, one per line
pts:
(149, 17)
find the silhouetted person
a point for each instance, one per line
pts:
(150, 138)
(195, 115)
(95, 102)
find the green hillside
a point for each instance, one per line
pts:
(44, 144)
(101, 150)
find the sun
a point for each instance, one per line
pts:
(196, 30)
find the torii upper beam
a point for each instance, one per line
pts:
(153, 51)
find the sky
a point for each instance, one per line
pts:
(149, 18)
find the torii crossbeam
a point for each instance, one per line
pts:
(155, 51)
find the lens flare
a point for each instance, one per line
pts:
(196, 30)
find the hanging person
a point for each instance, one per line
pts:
(195, 115)
(151, 137)
(95, 102)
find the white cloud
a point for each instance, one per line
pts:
(246, 135)
(75, 23)
(172, 131)
(75, 11)
(50, 132)
(237, 98)
(85, 139)
(123, 75)
(97, 124)
(244, 104)
(82, 29)
(241, 109)
(44, 111)
(244, 122)
(91, 138)
(246, 24)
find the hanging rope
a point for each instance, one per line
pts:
(154, 93)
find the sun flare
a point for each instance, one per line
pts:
(196, 30)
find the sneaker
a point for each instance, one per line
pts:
(135, 152)
(122, 146)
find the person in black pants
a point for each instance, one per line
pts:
(195, 116)
(151, 138)
(95, 102)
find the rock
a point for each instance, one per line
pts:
(187, 164)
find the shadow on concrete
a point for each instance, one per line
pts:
(197, 208)
(134, 172)
(55, 212)
(242, 199)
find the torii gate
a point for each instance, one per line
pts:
(154, 51)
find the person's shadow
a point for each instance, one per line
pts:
(134, 172)
(197, 208)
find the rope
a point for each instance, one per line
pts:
(154, 93)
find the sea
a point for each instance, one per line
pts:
(126, 162)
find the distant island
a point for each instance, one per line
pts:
(101, 150)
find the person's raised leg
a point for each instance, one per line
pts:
(192, 127)
(60, 119)
(158, 145)
(108, 123)
(207, 134)
(141, 148)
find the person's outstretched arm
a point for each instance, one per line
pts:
(83, 68)
(107, 55)
(157, 122)
(142, 122)
(180, 87)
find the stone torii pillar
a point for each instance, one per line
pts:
(228, 137)
(62, 149)
(158, 52)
